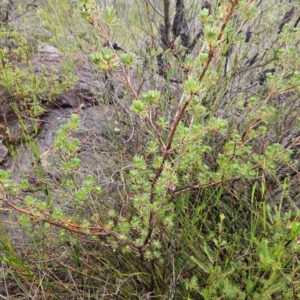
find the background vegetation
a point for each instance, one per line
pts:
(196, 196)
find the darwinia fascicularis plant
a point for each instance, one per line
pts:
(188, 212)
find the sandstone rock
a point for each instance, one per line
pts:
(12, 131)
(3, 150)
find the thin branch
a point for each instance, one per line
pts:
(155, 9)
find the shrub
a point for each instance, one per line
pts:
(25, 89)
(187, 210)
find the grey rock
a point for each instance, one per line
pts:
(50, 49)
(3, 150)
